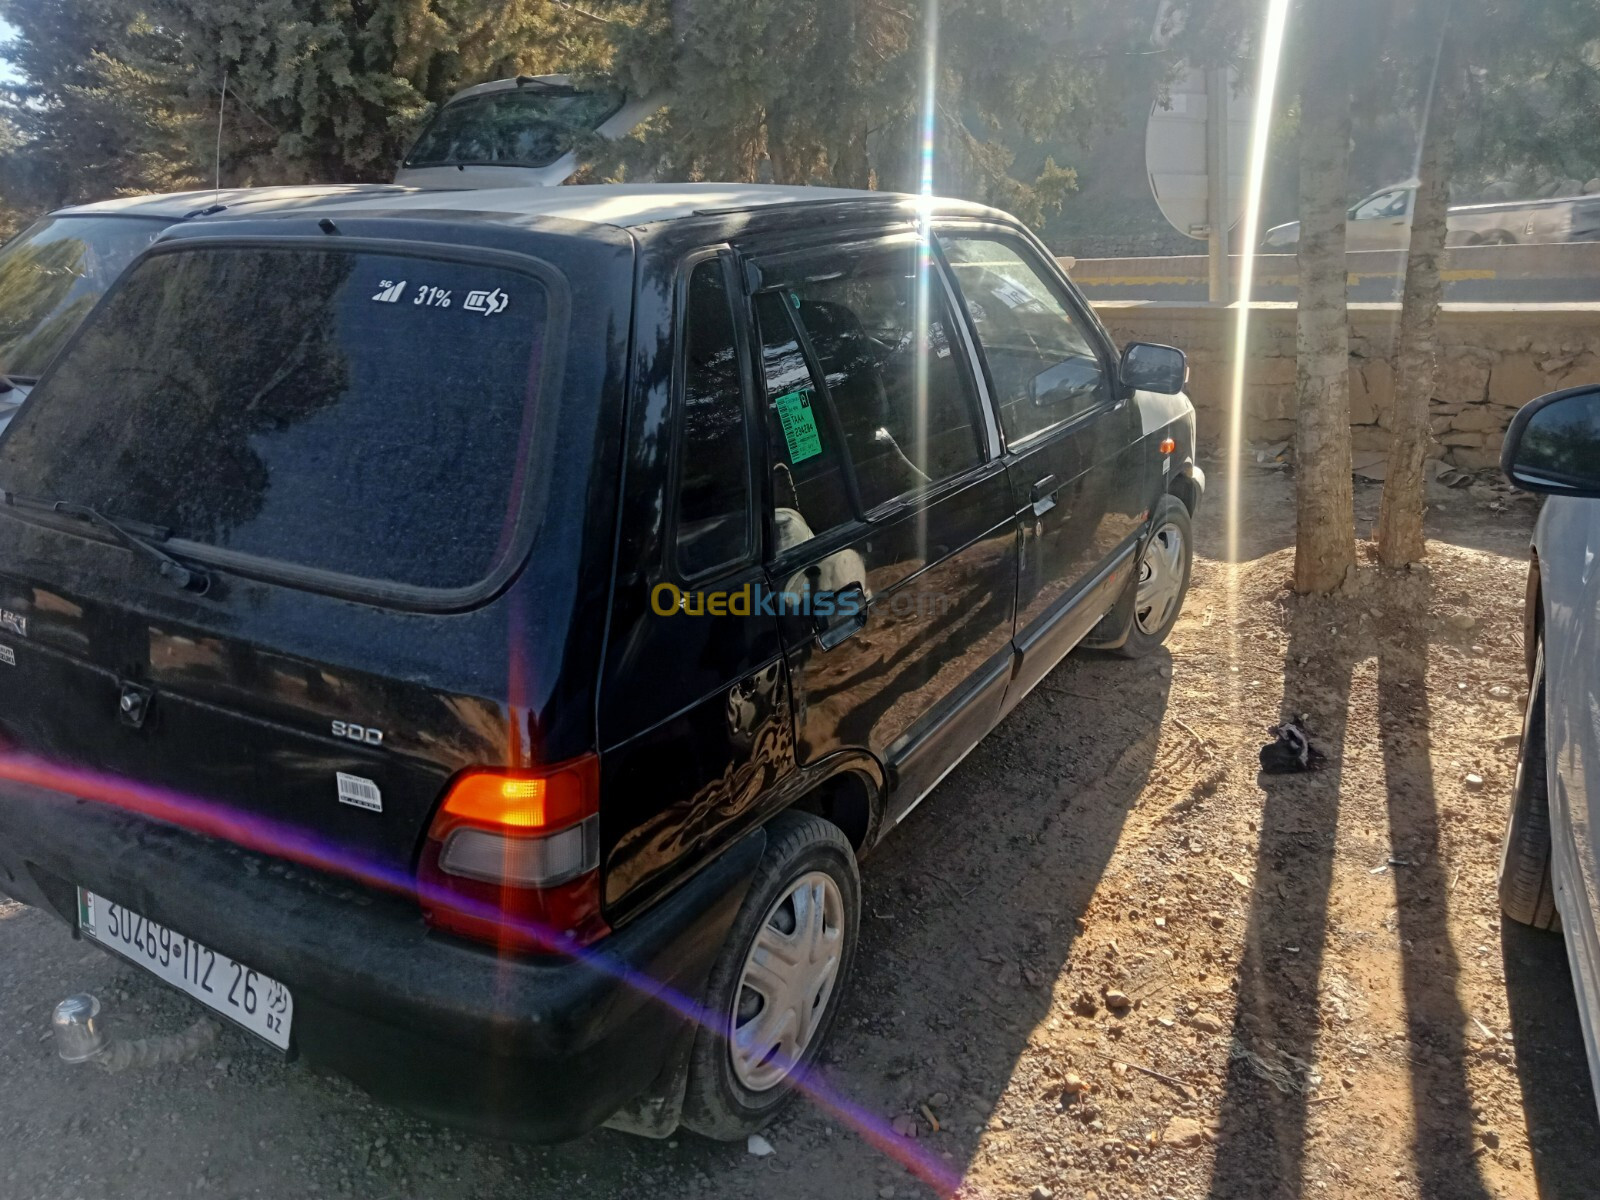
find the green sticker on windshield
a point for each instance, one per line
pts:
(799, 425)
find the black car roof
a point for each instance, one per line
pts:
(629, 206)
(179, 206)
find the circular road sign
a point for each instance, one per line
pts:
(1175, 152)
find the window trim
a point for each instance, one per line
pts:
(737, 316)
(977, 369)
(359, 588)
(1070, 299)
(830, 411)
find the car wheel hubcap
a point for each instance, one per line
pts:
(787, 979)
(1160, 579)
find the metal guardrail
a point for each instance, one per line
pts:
(1552, 271)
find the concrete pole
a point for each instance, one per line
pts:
(1218, 209)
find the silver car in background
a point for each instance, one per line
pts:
(1550, 860)
(519, 132)
(1382, 221)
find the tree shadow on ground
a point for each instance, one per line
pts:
(1265, 1120)
(1441, 1098)
(1002, 860)
(1261, 1129)
(1558, 1098)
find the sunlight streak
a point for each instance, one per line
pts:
(1260, 133)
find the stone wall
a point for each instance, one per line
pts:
(1493, 359)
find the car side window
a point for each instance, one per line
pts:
(713, 528)
(894, 376)
(1389, 204)
(810, 488)
(1042, 363)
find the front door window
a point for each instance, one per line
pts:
(1042, 364)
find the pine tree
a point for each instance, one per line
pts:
(831, 91)
(333, 90)
(11, 216)
(98, 112)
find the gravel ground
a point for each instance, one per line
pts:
(1321, 998)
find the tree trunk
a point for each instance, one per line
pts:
(1416, 358)
(1325, 547)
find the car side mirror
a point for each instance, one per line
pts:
(1149, 367)
(1553, 445)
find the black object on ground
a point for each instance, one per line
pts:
(1291, 751)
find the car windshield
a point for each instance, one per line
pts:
(527, 127)
(50, 277)
(370, 424)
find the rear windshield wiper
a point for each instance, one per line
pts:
(135, 535)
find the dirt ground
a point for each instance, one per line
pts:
(1322, 997)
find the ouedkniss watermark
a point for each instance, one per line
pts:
(758, 600)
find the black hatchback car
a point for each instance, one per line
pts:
(469, 641)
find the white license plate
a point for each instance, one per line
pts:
(248, 998)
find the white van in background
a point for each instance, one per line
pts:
(516, 132)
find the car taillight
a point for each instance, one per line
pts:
(513, 858)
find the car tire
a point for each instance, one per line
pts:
(736, 1083)
(1526, 891)
(1167, 556)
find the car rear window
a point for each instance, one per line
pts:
(352, 412)
(50, 277)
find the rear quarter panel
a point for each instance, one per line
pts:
(695, 725)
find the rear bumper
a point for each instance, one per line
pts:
(540, 1049)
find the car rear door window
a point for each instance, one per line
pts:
(713, 460)
(880, 330)
(1042, 364)
(360, 413)
(811, 488)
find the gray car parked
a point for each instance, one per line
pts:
(1550, 863)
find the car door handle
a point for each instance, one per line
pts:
(1044, 495)
(837, 626)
